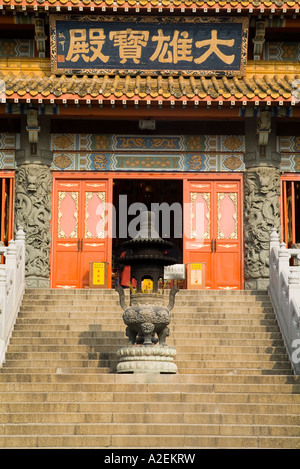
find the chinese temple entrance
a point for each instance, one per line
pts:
(6, 207)
(214, 234)
(290, 201)
(200, 214)
(164, 197)
(79, 229)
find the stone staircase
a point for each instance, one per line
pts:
(234, 387)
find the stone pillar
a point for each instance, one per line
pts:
(262, 192)
(33, 186)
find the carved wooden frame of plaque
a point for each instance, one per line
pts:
(56, 57)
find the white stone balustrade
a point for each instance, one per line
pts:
(12, 287)
(284, 289)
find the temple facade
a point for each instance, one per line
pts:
(190, 108)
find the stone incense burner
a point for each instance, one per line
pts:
(147, 318)
(147, 329)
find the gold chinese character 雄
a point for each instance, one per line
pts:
(213, 44)
(181, 47)
(80, 47)
(130, 43)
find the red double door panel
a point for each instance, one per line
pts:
(212, 228)
(6, 206)
(79, 229)
(214, 232)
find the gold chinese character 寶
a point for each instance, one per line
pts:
(130, 43)
(213, 44)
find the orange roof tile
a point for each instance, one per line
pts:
(44, 86)
(163, 4)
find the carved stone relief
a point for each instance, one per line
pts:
(262, 213)
(33, 213)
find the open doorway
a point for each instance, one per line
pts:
(129, 194)
(291, 210)
(6, 209)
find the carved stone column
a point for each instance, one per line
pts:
(33, 213)
(33, 186)
(262, 192)
(262, 213)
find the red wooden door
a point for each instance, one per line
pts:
(6, 206)
(212, 230)
(80, 225)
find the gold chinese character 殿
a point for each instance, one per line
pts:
(213, 44)
(80, 47)
(181, 47)
(97, 39)
(130, 43)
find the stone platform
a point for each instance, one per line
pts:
(146, 359)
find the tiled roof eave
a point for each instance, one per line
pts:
(252, 5)
(254, 87)
(27, 97)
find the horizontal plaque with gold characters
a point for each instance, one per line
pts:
(148, 45)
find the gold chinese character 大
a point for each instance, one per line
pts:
(213, 44)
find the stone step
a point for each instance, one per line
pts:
(136, 441)
(117, 312)
(176, 323)
(159, 397)
(56, 323)
(91, 291)
(183, 365)
(156, 430)
(118, 337)
(204, 355)
(184, 310)
(110, 368)
(179, 301)
(200, 388)
(234, 388)
(262, 345)
(164, 408)
(111, 347)
(117, 317)
(233, 370)
(64, 376)
(178, 311)
(146, 418)
(44, 371)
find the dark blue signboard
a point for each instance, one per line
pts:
(205, 46)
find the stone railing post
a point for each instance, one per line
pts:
(20, 241)
(273, 256)
(284, 290)
(283, 266)
(2, 311)
(12, 287)
(294, 319)
(294, 299)
(274, 240)
(11, 264)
